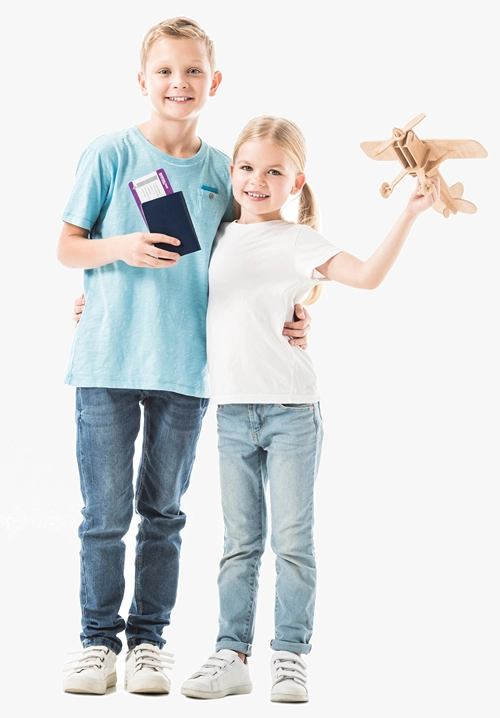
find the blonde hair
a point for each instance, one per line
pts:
(177, 27)
(286, 135)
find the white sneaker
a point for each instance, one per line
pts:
(92, 672)
(223, 674)
(288, 672)
(145, 669)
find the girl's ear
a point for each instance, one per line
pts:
(299, 182)
(231, 170)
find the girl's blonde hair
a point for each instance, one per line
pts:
(176, 27)
(286, 135)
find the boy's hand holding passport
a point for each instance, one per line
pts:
(165, 212)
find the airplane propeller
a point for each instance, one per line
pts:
(399, 134)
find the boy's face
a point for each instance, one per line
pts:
(178, 78)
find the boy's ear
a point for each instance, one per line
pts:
(142, 84)
(300, 181)
(216, 80)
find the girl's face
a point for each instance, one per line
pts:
(263, 177)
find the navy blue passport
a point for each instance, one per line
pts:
(170, 215)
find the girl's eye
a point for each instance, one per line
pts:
(274, 172)
(246, 168)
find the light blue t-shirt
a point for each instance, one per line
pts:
(144, 328)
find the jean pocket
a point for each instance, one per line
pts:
(297, 407)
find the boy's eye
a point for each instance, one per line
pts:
(194, 71)
(164, 72)
(246, 168)
(274, 172)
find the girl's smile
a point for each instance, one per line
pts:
(255, 196)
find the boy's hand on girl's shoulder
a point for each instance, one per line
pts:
(298, 329)
(138, 250)
(78, 309)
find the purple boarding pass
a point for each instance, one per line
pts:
(150, 187)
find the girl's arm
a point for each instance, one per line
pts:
(369, 274)
(77, 251)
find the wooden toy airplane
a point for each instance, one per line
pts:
(422, 158)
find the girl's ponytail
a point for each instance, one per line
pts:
(308, 213)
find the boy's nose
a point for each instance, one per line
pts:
(179, 81)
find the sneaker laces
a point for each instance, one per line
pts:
(152, 657)
(214, 664)
(290, 669)
(91, 657)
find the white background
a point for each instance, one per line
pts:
(407, 529)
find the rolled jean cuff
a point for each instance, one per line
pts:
(302, 648)
(245, 648)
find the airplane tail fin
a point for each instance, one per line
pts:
(462, 205)
(459, 205)
(457, 190)
(465, 206)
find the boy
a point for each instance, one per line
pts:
(141, 340)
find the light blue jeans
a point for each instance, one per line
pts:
(275, 446)
(108, 423)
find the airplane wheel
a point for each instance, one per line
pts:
(427, 188)
(446, 213)
(386, 190)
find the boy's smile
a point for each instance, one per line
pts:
(263, 178)
(178, 78)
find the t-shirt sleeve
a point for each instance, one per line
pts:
(312, 250)
(91, 187)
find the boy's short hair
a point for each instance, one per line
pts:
(177, 27)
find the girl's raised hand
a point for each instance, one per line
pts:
(419, 201)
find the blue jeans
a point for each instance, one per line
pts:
(275, 446)
(108, 423)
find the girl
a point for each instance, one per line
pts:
(268, 416)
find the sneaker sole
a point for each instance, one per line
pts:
(76, 684)
(233, 691)
(287, 698)
(146, 687)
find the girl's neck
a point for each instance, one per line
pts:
(249, 218)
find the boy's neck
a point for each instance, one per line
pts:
(177, 139)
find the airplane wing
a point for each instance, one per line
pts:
(462, 149)
(371, 147)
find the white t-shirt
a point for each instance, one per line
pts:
(257, 273)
